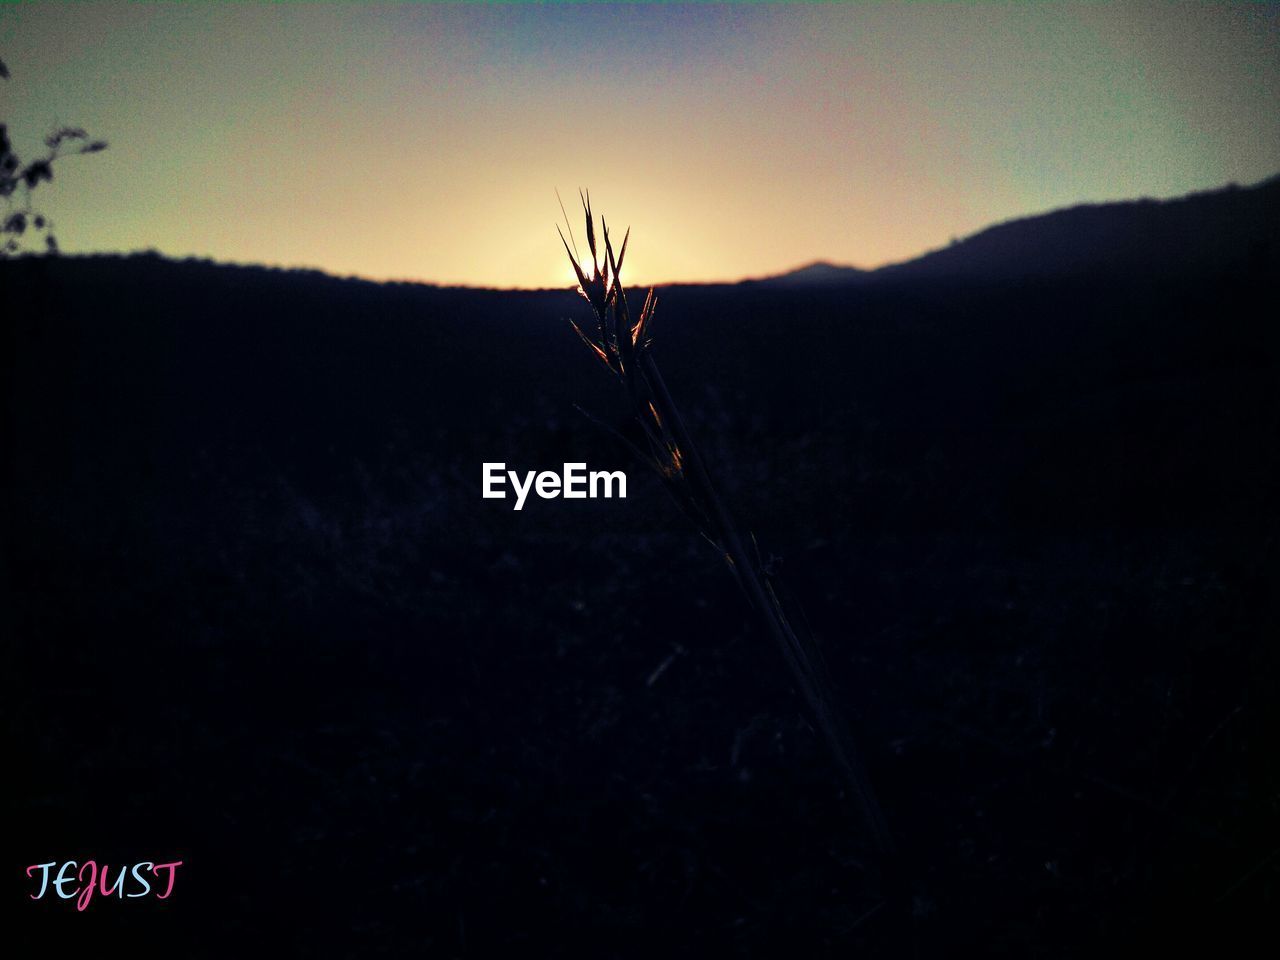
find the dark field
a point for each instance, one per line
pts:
(259, 619)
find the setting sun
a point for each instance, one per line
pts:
(424, 141)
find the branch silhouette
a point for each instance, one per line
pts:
(19, 181)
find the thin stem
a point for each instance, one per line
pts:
(624, 349)
(804, 664)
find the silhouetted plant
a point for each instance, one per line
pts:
(18, 181)
(623, 345)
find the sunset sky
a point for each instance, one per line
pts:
(425, 142)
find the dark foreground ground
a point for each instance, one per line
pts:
(257, 617)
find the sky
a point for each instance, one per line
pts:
(427, 142)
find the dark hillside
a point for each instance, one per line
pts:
(1214, 230)
(258, 617)
(1210, 231)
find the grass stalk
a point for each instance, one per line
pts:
(623, 345)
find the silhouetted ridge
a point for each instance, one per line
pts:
(1212, 230)
(1202, 231)
(819, 273)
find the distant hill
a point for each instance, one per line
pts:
(1212, 230)
(819, 273)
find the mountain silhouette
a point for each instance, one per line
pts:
(1206, 230)
(819, 273)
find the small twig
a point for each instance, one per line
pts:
(1070, 773)
(866, 915)
(662, 667)
(1248, 875)
(1199, 754)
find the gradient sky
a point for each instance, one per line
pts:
(424, 142)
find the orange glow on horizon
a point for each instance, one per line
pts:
(425, 142)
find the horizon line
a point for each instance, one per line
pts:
(569, 285)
